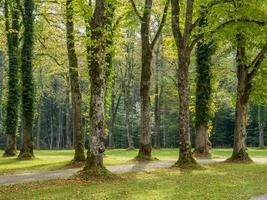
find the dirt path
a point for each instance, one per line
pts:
(65, 173)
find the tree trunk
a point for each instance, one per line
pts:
(157, 109)
(27, 80)
(145, 142)
(243, 92)
(185, 154)
(127, 87)
(39, 127)
(11, 122)
(261, 128)
(99, 31)
(75, 87)
(204, 52)
(68, 124)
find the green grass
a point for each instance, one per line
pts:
(218, 182)
(52, 160)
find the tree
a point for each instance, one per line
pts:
(97, 64)
(27, 80)
(76, 97)
(12, 12)
(184, 48)
(245, 74)
(147, 55)
(204, 51)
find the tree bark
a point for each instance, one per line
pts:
(184, 48)
(127, 87)
(12, 32)
(243, 92)
(27, 81)
(75, 87)
(147, 49)
(157, 108)
(99, 31)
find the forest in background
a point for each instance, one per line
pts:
(53, 120)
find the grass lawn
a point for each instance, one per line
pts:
(52, 160)
(217, 182)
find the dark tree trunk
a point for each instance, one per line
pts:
(27, 81)
(184, 47)
(147, 49)
(243, 92)
(185, 155)
(97, 63)
(157, 108)
(13, 91)
(2, 66)
(76, 96)
(261, 112)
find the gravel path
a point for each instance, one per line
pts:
(65, 173)
(263, 197)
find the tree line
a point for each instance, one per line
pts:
(78, 70)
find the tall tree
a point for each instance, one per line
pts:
(147, 55)
(27, 80)
(12, 14)
(245, 74)
(204, 53)
(127, 87)
(184, 48)
(2, 66)
(97, 64)
(158, 95)
(76, 97)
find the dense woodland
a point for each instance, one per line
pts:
(131, 74)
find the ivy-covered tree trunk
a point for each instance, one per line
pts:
(27, 80)
(11, 9)
(76, 96)
(204, 52)
(97, 63)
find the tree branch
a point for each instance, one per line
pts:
(176, 20)
(162, 23)
(135, 10)
(257, 62)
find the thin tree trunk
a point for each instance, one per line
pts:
(157, 109)
(127, 87)
(261, 128)
(68, 126)
(75, 87)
